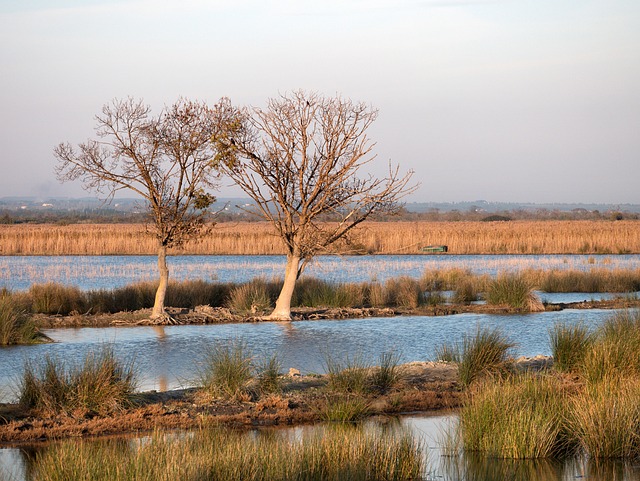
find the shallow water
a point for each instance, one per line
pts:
(429, 430)
(169, 357)
(99, 272)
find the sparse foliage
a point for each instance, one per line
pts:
(299, 160)
(166, 160)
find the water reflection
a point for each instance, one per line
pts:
(21, 464)
(169, 357)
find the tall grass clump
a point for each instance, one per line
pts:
(515, 291)
(614, 351)
(101, 384)
(16, 327)
(485, 352)
(605, 418)
(465, 293)
(252, 297)
(53, 298)
(569, 345)
(329, 454)
(227, 370)
(516, 417)
(403, 292)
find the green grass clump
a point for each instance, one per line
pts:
(227, 370)
(330, 454)
(614, 351)
(485, 352)
(515, 291)
(16, 327)
(569, 345)
(517, 417)
(101, 384)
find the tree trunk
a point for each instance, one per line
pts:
(158, 305)
(282, 312)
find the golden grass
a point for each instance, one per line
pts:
(255, 238)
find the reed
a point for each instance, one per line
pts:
(101, 384)
(332, 454)
(402, 237)
(15, 326)
(312, 292)
(569, 345)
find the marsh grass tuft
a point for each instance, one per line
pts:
(387, 374)
(485, 352)
(227, 370)
(516, 417)
(250, 298)
(569, 345)
(268, 373)
(513, 290)
(101, 384)
(605, 418)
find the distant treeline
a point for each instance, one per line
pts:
(112, 216)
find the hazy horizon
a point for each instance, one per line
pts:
(514, 101)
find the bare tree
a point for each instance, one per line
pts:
(167, 160)
(298, 160)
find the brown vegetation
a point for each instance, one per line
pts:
(257, 238)
(425, 386)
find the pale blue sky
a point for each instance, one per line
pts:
(504, 100)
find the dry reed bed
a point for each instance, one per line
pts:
(256, 238)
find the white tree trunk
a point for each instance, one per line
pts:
(163, 269)
(282, 311)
